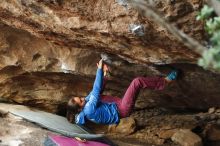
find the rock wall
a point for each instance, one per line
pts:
(106, 25)
(49, 50)
(39, 73)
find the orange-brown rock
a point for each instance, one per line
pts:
(185, 137)
(49, 50)
(103, 25)
(126, 126)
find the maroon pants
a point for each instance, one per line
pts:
(126, 104)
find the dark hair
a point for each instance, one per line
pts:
(72, 110)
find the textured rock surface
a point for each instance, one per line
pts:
(213, 132)
(125, 127)
(158, 125)
(49, 50)
(39, 73)
(26, 133)
(187, 138)
(103, 25)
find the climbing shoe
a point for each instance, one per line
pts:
(172, 75)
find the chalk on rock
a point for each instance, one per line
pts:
(106, 58)
(137, 29)
(122, 2)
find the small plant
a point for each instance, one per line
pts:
(211, 57)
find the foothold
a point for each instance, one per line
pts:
(137, 29)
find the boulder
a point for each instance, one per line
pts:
(186, 137)
(126, 126)
(211, 110)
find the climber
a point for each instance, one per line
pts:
(102, 109)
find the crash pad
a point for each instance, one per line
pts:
(50, 121)
(57, 140)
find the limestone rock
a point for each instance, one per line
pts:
(49, 49)
(125, 127)
(211, 110)
(103, 25)
(218, 122)
(213, 132)
(3, 113)
(216, 6)
(217, 111)
(185, 137)
(166, 134)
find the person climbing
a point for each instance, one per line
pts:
(103, 109)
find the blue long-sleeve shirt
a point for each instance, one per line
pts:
(95, 110)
